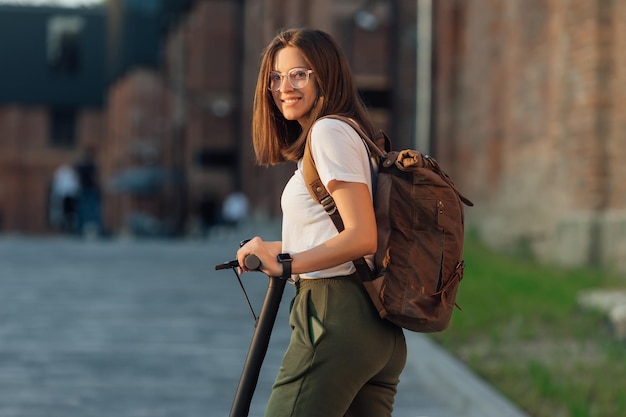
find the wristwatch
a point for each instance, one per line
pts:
(285, 259)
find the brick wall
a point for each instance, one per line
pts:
(213, 74)
(28, 161)
(183, 110)
(529, 95)
(135, 138)
(23, 182)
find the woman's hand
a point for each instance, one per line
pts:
(266, 252)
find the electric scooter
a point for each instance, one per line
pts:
(260, 338)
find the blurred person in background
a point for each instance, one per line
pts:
(63, 199)
(89, 197)
(235, 209)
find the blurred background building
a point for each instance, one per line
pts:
(521, 101)
(161, 91)
(530, 117)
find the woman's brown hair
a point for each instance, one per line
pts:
(276, 139)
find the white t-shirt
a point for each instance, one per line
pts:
(339, 154)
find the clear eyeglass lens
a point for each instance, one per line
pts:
(297, 77)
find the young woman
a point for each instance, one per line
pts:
(342, 360)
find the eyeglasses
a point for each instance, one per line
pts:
(298, 78)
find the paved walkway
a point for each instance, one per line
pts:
(150, 329)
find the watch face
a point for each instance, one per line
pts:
(284, 257)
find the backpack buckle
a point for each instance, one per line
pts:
(328, 204)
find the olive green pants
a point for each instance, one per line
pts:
(342, 360)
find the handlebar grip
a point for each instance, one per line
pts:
(252, 262)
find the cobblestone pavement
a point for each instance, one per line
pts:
(132, 328)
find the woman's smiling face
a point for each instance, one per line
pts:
(294, 104)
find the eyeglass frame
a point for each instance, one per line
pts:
(284, 75)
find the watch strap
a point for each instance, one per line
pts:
(285, 260)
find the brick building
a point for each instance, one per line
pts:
(530, 116)
(51, 83)
(527, 109)
(171, 123)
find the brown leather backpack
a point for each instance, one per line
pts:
(419, 216)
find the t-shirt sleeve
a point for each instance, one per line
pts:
(339, 152)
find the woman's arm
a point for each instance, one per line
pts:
(356, 240)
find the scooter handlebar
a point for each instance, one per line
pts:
(252, 262)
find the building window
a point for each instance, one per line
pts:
(376, 99)
(64, 40)
(63, 128)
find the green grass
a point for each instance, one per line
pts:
(522, 330)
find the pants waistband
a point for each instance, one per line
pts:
(302, 284)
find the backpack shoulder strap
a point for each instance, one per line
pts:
(316, 187)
